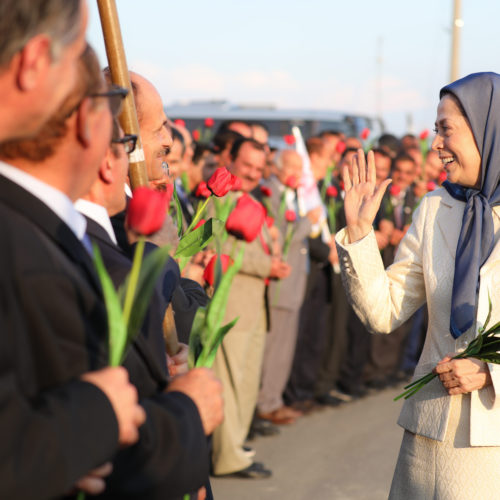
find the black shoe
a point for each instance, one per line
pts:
(328, 400)
(261, 427)
(253, 471)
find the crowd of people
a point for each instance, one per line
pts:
(298, 346)
(155, 427)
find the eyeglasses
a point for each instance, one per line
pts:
(115, 96)
(129, 141)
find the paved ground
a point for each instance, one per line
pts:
(345, 453)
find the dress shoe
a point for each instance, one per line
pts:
(262, 427)
(254, 471)
(281, 416)
(306, 406)
(328, 400)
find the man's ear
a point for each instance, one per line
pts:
(106, 168)
(34, 61)
(83, 126)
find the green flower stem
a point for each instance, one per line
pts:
(199, 213)
(288, 240)
(134, 278)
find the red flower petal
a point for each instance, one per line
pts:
(196, 135)
(221, 182)
(209, 122)
(340, 147)
(331, 191)
(180, 122)
(290, 216)
(394, 190)
(266, 191)
(424, 134)
(202, 190)
(292, 182)
(365, 133)
(246, 220)
(147, 209)
(200, 223)
(209, 272)
(289, 139)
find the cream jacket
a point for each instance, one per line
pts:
(423, 272)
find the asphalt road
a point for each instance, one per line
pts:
(344, 453)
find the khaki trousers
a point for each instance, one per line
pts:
(238, 364)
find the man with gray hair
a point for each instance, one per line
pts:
(40, 43)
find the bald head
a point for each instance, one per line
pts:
(155, 134)
(289, 163)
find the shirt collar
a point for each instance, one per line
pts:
(56, 200)
(98, 214)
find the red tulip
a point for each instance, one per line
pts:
(290, 216)
(246, 219)
(196, 135)
(331, 191)
(200, 223)
(147, 209)
(424, 134)
(431, 186)
(202, 191)
(221, 182)
(269, 221)
(236, 186)
(209, 273)
(266, 191)
(180, 122)
(209, 122)
(394, 190)
(442, 177)
(340, 147)
(292, 182)
(289, 139)
(365, 133)
(342, 187)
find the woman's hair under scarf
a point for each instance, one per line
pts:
(479, 96)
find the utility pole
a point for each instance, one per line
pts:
(379, 73)
(457, 24)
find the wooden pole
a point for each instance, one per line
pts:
(455, 41)
(119, 75)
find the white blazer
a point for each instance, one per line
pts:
(423, 272)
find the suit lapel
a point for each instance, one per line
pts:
(49, 223)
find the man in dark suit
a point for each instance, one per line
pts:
(56, 426)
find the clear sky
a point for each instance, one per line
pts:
(319, 54)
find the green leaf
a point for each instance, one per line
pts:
(217, 307)
(116, 324)
(210, 351)
(194, 241)
(195, 337)
(151, 269)
(178, 212)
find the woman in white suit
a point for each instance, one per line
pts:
(450, 260)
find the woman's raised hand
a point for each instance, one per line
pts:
(362, 196)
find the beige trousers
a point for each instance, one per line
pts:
(238, 364)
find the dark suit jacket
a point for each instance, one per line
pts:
(171, 458)
(54, 328)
